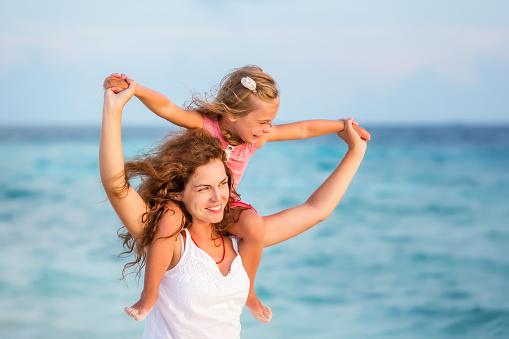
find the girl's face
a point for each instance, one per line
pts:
(206, 194)
(257, 123)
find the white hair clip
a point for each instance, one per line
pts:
(248, 83)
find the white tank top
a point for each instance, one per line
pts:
(196, 301)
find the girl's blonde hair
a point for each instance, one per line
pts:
(232, 99)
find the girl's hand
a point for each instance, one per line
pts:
(354, 123)
(117, 101)
(362, 132)
(117, 82)
(350, 136)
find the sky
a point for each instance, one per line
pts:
(382, 62)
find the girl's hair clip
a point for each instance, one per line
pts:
(248, 83)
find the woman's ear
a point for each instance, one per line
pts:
(177, 196)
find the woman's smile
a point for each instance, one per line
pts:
(216, 209)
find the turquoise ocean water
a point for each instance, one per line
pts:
(418, 248)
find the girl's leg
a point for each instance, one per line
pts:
(251, 228)
(157, 262)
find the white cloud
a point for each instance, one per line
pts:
(396, 53)
(390, 53)
(328, 50)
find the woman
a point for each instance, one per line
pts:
(205, 286)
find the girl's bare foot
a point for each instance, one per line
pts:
(259, 311)
(138, 311)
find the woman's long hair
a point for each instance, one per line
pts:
(164, 172)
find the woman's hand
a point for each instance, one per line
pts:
(351, 137)
(117, 101)
(293, 221)
(361, 131)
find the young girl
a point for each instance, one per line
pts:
(240, 115)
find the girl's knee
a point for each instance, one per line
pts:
(253, 227)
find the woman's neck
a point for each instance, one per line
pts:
(204, 231)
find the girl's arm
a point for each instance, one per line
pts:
(310, 129)
(293, 221)
(157, 103)
(127, 204)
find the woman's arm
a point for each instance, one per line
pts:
(293, 221)
(157, 103)
(127, 204)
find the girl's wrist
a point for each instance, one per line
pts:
(139, 90)
(343, 125)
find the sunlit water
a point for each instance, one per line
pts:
(418, 248)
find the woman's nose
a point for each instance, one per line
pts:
(215, 195)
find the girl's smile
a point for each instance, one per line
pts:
(256, 124)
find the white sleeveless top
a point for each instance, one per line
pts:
(196, 301)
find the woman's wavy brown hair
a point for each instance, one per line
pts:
(164, 172)
(231, 98)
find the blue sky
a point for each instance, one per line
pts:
(382, 62)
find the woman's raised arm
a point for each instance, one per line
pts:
(293, 221)
(126, 202)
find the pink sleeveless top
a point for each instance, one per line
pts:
(237, 156)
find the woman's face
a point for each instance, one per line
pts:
(206, 194)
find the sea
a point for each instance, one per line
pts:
(417, 248)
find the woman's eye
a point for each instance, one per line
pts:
(223, 183)
(203, 189)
